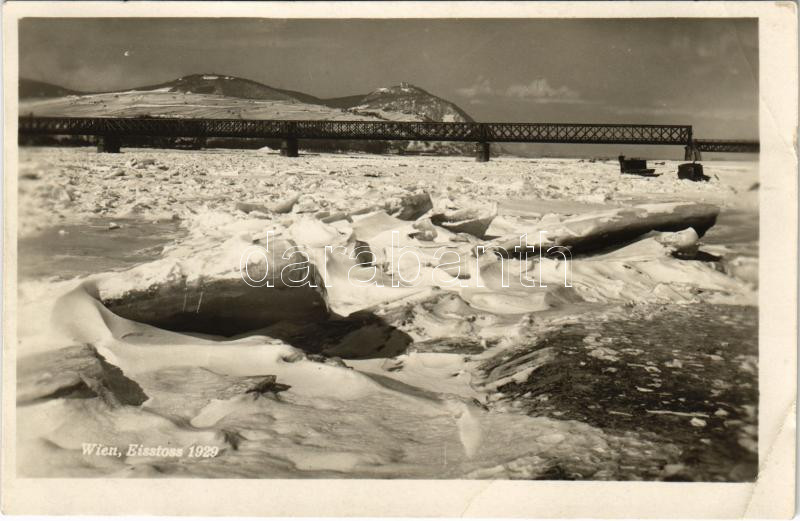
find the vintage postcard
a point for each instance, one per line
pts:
(450, 259)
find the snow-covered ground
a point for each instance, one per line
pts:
(475, 372)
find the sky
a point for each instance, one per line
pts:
(661, 71)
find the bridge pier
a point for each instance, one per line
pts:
(691, 153)
(289, 147)
(482, 152)
(109, 144)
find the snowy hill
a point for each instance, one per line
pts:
(411, 100)
(229, 96)
(222, 85)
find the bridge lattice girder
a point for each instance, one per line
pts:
(589, 133)
(728, 145)
(381, 130)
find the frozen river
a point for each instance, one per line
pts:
(645, 368)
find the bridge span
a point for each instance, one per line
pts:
(727, 145)
(111, 131)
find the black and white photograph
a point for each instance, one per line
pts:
(453, 248)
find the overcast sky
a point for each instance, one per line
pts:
(698, 72)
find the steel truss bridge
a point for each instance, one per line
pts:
(111, 131)
(727, 145)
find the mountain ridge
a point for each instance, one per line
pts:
(404, 98)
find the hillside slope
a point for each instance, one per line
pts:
(33, 89)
